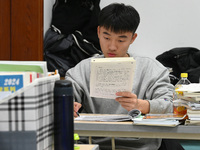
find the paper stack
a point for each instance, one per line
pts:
(190, 92)
(193, 117)
(190, 98)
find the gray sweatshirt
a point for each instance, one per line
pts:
(151, 82)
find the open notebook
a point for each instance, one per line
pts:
(110, 117)
(135, 116)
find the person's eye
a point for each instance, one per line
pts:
(106, 38)
(121, 41)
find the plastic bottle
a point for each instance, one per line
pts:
(63, 116)
(183, 81)
(178, 109)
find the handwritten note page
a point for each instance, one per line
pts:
(110, 75)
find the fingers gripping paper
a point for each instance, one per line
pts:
(111, 75)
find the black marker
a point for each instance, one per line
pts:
(77, 113)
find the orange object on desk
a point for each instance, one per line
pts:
(180, 110)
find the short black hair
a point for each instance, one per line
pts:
(118, 17)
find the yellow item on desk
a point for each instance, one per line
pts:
(76, 137)
(181, 110)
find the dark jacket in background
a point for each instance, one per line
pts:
(182, 60)
(72, 35)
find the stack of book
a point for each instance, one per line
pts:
(15, 75)
(190, 98)
(193, 117)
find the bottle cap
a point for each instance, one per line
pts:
(184, 75)
(63, 87)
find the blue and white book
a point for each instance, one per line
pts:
(13, 81)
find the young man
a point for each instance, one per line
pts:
(152, 91)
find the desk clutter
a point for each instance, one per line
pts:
(26, 111)
(26, 114)
(135, 116)
(189, 97)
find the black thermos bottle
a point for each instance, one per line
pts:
(63, 116)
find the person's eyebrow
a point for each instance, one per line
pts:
(106, 33)
(121, 36)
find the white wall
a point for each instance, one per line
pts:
(47, 13)
(164, 24)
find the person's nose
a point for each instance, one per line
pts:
(112, 45)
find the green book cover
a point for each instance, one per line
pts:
(22, 68)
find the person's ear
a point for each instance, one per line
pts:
(134, 37)
(98, 31)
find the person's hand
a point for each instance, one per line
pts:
(127, 100)
(130, 101)
(77, 106)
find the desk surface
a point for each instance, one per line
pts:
(127, 129)
(87, 147)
